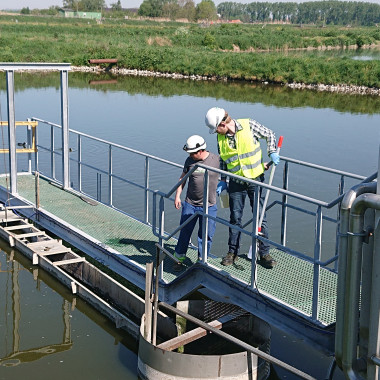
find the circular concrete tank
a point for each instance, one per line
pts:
(210, 357)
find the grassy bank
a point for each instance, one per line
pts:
(228, 51)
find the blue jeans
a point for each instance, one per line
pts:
(238, 193)
(185, 234)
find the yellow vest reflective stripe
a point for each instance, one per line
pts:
(246, 159)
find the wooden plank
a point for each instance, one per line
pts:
(39, 233)
(43, 243)
(105, 60)
(8, 220)
(188, 337)
(69, 261)
(54, 251)
(18, 227)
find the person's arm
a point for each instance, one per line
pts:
(259, 131)
(177, 200)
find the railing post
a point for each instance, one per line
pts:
(205, 218)
(155, 298)
(29, 144)
(52, 155)
(146, 198)
(79, 147)
(65, 130)
(11, 131)
(284, 209)
(340, 192)
(148, 303)
(99, 187)
(255, 223)
(110, 179)
(317, 267)
(162, 231)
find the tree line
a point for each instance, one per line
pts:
(313, 12)
(328, 12)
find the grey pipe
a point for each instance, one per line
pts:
(360, 205)
(342, 295)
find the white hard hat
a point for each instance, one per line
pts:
(194, 143)
(213, 118)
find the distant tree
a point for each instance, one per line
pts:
(92, 5)
(171, 9)
(71, 4)
(151, 8)
(187, 9)
(116, 6)
(25, 11)
(53, 10)
(331, 12)
(206, 10)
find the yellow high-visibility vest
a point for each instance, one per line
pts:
(246, 159)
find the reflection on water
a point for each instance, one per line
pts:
(46, 332)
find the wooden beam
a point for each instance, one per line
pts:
(31, 234)
(69, 261)
(18, 227)
(188, 337)
(54, 251)
(105, 60)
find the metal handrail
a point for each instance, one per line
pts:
(159, 198)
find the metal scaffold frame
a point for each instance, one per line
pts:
(10, 69)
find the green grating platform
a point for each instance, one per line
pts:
(136, 241)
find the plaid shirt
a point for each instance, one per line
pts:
(258, 132)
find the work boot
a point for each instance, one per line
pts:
(267, 261)
(178, 267)
(229, 259)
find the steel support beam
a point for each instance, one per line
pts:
(65, 130)
(10, 75)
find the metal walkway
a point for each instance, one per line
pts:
(132, 244)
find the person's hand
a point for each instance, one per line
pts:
(177, 203)
(275, 157)
(222, 185)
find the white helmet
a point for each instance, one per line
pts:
(213, 118)
(194, 143)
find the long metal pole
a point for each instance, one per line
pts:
(11, 131)
(284, 208)
(255, 221)
(146, 197)
(317, 267)
(148, 303)
(110, 179)
(65, 129)
(205, 252)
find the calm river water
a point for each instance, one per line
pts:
(156, 116)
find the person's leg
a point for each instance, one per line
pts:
(185, 233)
(237, 194)
(263, 247)
(212, 210)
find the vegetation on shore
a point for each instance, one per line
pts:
(218, 50)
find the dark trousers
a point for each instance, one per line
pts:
(238, 193)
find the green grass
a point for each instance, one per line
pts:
(192, 50)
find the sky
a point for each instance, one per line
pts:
(44, 4)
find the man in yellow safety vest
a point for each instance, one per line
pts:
(240, 154)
